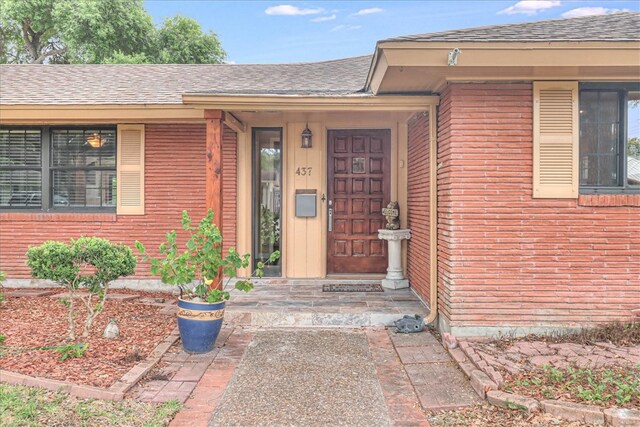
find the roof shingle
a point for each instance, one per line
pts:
(622, 26)
(165, 84)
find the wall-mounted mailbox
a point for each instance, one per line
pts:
(306, 203)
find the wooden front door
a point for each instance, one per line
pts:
(359, 187)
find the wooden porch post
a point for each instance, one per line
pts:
(213, 186)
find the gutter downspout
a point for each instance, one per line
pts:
(433, 214)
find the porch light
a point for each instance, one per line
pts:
(95, 140)
(306, 137)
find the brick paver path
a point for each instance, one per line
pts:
(525, 356)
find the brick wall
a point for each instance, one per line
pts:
(509, 259)
(174, 180)
(418, 248)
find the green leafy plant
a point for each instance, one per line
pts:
(88, 262)
(72, 351)
(553, 374)
(201, 262)
(2, 338)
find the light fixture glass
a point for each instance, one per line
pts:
(95, 140)
(306, 137)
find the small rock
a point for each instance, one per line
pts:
(449, 341)
(111, 331)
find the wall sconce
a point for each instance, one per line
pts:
(306, 137)
(95, 140)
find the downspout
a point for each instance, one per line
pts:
(433, 214)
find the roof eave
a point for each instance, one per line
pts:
(310, 103)
(488, 60)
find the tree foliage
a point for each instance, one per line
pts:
(201, 260)
(99, 31)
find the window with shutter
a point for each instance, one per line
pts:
(130, 170)
(555, 140)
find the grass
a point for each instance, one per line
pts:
(604, 387)
(25, 406)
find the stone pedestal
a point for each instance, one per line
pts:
(395, 279)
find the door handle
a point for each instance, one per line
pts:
(330, 222)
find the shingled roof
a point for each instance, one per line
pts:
(165, 84)
(622, 26)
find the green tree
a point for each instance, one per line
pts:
(99, 31)
(181, 40)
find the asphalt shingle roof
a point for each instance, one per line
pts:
(622, 26)
(165, 84)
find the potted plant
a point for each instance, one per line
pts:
(197, 271)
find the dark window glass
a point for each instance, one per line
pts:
(57, 168)
(633, 138)
(83, 171)
(267, 187)
(600, 138)
(20, 168)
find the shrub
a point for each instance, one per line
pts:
(88, 262)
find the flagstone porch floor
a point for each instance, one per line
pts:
(302, 303)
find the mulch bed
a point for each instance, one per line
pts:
(485, 415)
(32, 322)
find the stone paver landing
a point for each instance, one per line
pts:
(306, 305)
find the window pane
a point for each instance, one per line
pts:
(83, 188)
(20, 148)
(600, 138)
(82, 148)
(20, 188)
(267, 197)
(633, 139)
(609, 104)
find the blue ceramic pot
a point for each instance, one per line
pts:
(199, 324)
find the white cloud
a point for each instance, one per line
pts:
(368, 11)
(589, 11)
(324, 18)
(343, 27)
(230, 62)
(529, 7)
(289, 10)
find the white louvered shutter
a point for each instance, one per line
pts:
(130, 170)
(555, 139)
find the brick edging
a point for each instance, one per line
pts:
(481, 380)
(116, 391)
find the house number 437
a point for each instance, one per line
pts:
(305, 171)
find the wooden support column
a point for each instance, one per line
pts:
(213, 186)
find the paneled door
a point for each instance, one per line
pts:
(359, 186)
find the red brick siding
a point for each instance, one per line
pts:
(174, 180)
(418, 248)
(509, 259)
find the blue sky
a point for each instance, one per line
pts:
(296, 31)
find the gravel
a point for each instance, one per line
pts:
(304, 378)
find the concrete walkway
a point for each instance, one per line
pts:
(313, 377)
